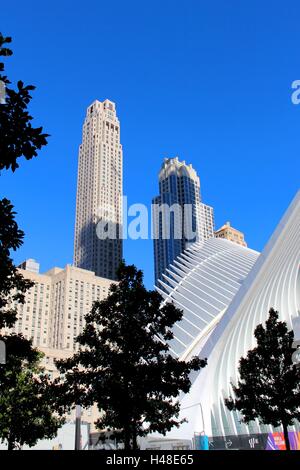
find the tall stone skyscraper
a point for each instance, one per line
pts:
(188, 221)
(98, 226)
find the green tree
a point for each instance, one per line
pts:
(18, 138)
(27, 396)
(269, 384)
(124, 365)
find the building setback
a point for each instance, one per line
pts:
(230, 233)
(99, 192)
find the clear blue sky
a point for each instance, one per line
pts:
(209, 81)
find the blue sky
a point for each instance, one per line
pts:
(207, 81)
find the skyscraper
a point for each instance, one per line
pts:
(179, 216)
(98, 226)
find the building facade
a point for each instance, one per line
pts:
(30, 265)
(178, 215)
(53, 315)
(232, 234)
(207, 222)
(55, 307)
(98, 225)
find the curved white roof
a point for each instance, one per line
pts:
(274, 282)
(202, 282)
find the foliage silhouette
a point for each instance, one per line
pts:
(12, 284)
(18, 138)
(269, 384)
(27, 396)
(124, 365)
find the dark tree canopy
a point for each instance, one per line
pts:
(12, 284)
(18, 138)
(124, 364)
(27, 396)
(269, 384)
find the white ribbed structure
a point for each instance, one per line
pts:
(202, 282)
(274, 281)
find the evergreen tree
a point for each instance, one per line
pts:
(124, 365)
(269, 384)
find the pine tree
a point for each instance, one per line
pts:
(124, 364)
(269, 384)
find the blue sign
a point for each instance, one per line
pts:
(201, 442)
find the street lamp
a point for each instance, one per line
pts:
(78, 428)
(192, 406)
